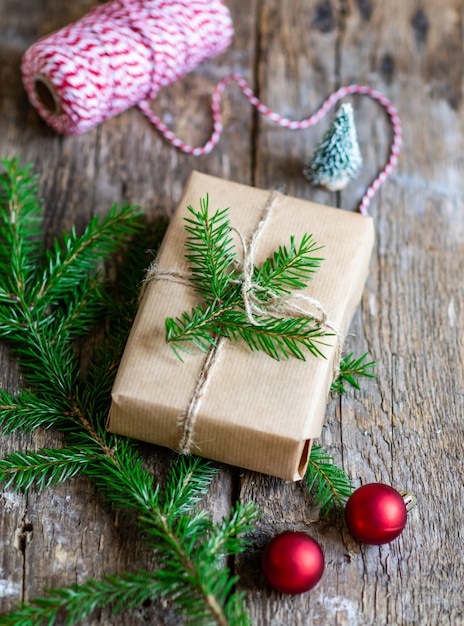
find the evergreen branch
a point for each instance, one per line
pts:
(169, 518)
(56, 298)
(199, 583)
(91, 433)
(210, 251)
(41, 323)
(25, 411)
(12, 316)
(20, 221)
(224, 312)
(328, 483)
(83, 307)
(123, 592)
(350, 368)
(281, 337)
(197, 327)
(289, 269)
(187, 484)
(277, 337)
(191, 570)
(44, 468)
(39, 357)
(227, 540)
(71, 262)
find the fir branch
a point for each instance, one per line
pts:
(289, 269)
(224, 313)
(71, 260)
(20, 221)
(189, 546)
(197, 327)
(44, 468)
(123, 592)
(25, 411)
(350, 369)
(83, 306)
(187, 484)
(210, 251)
(277, 337)
(328, 483)
(39, 357)
(40, 316)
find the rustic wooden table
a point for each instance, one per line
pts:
(403, 428)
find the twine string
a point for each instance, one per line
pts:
(274, 305)
(172, 275)
(186, 419)
(271, 303)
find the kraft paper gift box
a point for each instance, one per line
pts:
(252, 411)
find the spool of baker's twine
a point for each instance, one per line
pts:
(119, 54)
(122, 53)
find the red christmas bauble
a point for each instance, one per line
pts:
(376, 513)
(293, 562)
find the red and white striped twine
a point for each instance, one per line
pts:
(291, 124)
(123, 52)
(118, 55)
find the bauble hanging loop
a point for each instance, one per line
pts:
(337, 158)
(409, 499)
(377, 513)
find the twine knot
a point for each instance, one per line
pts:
(260, 301)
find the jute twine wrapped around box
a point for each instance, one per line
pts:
(233, 405)
(277, 306)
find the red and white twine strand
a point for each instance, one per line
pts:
(123, 52)
(312, 120)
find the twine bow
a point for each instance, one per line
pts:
(274, 305)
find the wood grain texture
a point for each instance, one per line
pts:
(405, 427)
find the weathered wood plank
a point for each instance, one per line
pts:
(405, 428)
(298, 69)
(417, 412)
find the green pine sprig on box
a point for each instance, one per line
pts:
(49, 298)
(217, 276)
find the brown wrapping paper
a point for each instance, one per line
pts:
(254, 412)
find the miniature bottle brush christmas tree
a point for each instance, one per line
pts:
(337, 159)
